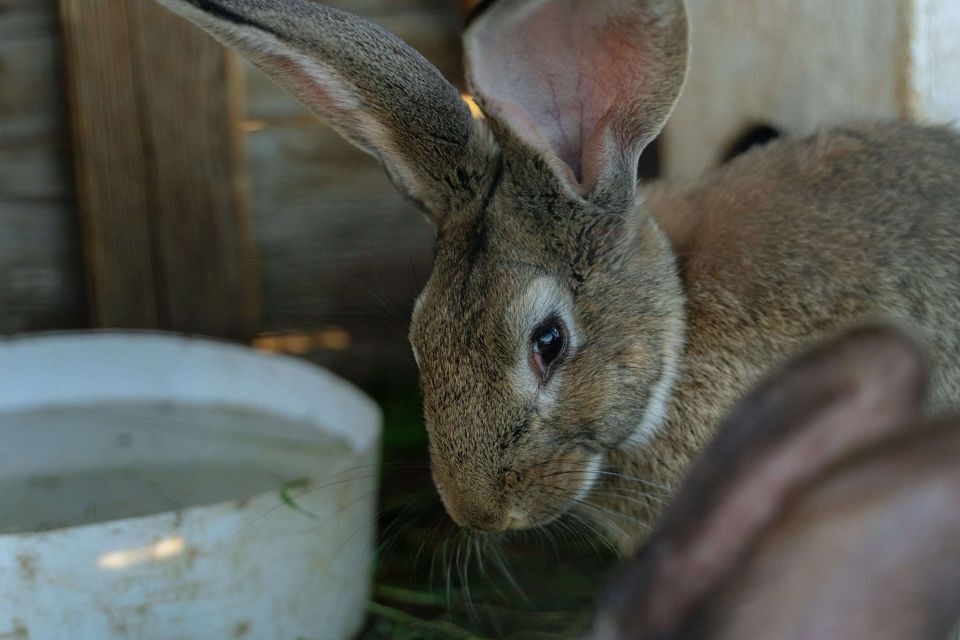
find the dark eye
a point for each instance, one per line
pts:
(548, 342)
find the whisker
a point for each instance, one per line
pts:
(611, 474)
(597, 510)
(401, 524)
(432, 532)
(504, 569)
(284, 502)
(594, 534)
(449, 577)
(643, 481)
(637, 497)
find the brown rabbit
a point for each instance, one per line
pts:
(578, 339)
(824, 509)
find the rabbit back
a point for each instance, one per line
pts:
(801, 239)
(792, 243)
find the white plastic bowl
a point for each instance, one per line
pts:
(161, 487)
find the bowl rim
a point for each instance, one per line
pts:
(88, 367)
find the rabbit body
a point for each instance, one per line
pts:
(790, 243)
(578, 341)
(825, 507)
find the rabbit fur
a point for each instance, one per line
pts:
(670, 301)
(824, 508)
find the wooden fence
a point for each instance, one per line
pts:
(150, 179)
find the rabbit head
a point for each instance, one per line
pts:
(824, 508)
(550, 327)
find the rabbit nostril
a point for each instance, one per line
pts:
(477, 514)
(486, 522)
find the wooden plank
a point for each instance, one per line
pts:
(337, 244)
(159, 180)
(33, 137)
(933, 72)
(42, 284)
(801, 66)
(191, 105)
(795, 66)
(110, 164)
(27, 19)
(335, 238)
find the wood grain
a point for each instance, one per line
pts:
(158, 171)
(27, 19)
(42, 283)
(803, 66)
(110, 164)
(337, 244)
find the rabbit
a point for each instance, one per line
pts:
(579, 338)
(826, 507)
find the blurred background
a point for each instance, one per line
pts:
(151, 180)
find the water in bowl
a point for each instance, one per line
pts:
(79, 465)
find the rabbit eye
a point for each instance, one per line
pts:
(548, 342)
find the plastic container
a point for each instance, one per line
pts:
(160, 487)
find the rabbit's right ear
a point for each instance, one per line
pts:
(871, 551)
(837, 399)
(368, 84)
(587, 83)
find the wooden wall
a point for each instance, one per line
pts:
(338, 249)
(41, 276)
(341, 255)
(801, 66)
(336, 241)
(338, 246)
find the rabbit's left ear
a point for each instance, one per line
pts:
(587, 83)
(369, 85)
(840, 398)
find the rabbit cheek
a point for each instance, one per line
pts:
(548, 490)
(573, 474)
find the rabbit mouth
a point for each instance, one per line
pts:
(559, 487)
(527, 499)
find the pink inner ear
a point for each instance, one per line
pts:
(871, 551)
(559, 74)
(863, 413)
(329, 96)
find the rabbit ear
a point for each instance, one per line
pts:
(369, 85)
(832, 401)
(872, 550)
(588, 83)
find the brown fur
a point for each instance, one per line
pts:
(479, 430)
(794, 242)
(714, 281)
(824, 508)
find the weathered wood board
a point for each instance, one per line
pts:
(337, 244)
(159, 173)
(41, 277)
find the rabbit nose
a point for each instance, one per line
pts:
(480, 517)
(471, 500)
